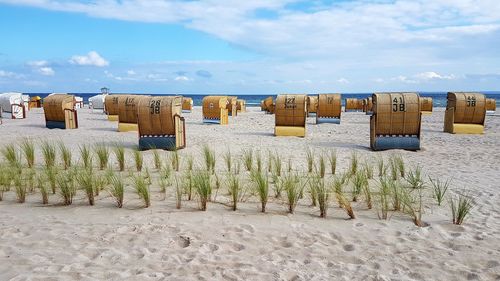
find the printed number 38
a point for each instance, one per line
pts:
(398, 105)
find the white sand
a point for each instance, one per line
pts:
(105, 243)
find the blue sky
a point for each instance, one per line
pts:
(259, 46)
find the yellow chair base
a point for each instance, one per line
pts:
(426, 112)
(290, 131)
(127, 127)
(112, 117)
(468, 129)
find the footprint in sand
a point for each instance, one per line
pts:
(183, 241)
(349, 248)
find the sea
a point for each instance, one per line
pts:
(438, 98)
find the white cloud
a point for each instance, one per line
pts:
(130, 72)
(9, 74)
(46, 71)
(182, 78)
(343, 81)
(91, 59)
(433, 75)
(38, 63)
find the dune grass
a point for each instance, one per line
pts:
(332, 159)
(439, 189)
(293, 188)
(234, 187)
(178, 192)
(261, 185)
(49, 154)
(278, 185)
(396, 192)
(381, 167)
(289, 165)
(66, 187)
(277, 165)
(86, 156)
(312, 190)
(353, 166)
(28, 148)
(175, 160)
(368, 167)
(20, 189)
(394, 168)
(400, 164)
(248, 159)
(322, 165)
(187, 183)
(117, 190)
(228, 159)
(309, 159)
(412, 200)
(138, 160)
(119, 152)
(100, 182)
(323, 194)
(142, 190)
(102, 153)
(359, 181)
(270, 159)
(384, 198)
(190, 163)
(157, 159)
(51, 176)
(461, 206)
(258, 161)
(368, 195)
(203, 188)
(5, 180)
(414, 178)
(44, 190)
(163, 183)
(66, 155)
(209, 156)
(343, 202)
(12, 156)
(85, 179)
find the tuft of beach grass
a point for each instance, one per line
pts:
(117, 190)
(234, 189)
(119, 151)
(203, 188)
(228, 160)
(310, 159)
(157, 159)
(412, 200)
(293, 189)
(102, 153)
(461, 206)
(142, 190)
(384, 197)
(138, 159)
(28, 148)
(332, 159)
(353, 166)
(439, 189)
(21, 190)
(209, 156)
(261, 185)
(323, 195)
(66, 155)
(44, 190)
(414, 178)
(248, 159)
(49, 154)
(345, 204)
(66, 187)
(86, 156)
(85, 179)
(12, 156)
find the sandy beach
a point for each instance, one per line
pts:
(102, 242)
